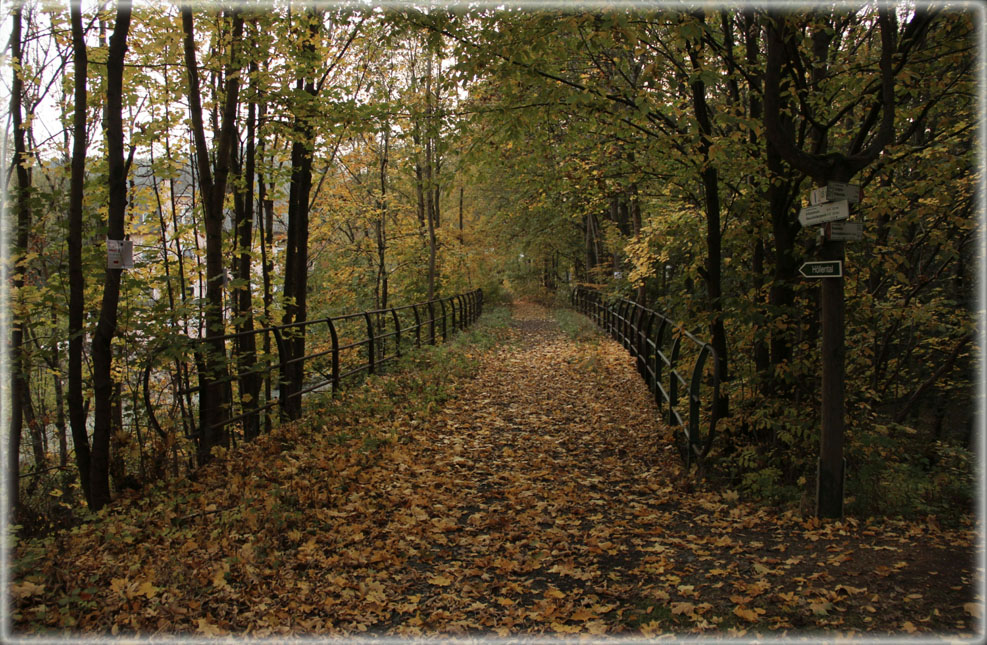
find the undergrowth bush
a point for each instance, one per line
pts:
(577, 326)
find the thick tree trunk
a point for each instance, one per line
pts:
(103, 385)
(23, 207)
(77, 280)
(296, 251)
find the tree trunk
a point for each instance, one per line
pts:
(102, 352)
(213, 391)
(77, 280)
(23, 207)
(265, 232)
(246, 341)
(710, 182)
(296, 251)
(431, 208)
(381, 221)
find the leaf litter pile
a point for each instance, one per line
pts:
(540, 499)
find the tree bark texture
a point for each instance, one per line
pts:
(102, 351)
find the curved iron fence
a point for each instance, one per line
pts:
(336, 348)
(663, 350)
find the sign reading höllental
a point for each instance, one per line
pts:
(825, 269)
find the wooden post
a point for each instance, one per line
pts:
(830, 475)
(829, 490)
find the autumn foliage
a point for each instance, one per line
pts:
(533, 494)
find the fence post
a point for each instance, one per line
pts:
(418, 326)
(645, 356)
(625, 323)
(397, 332)
(695, 382)
(673, 380)
(658, 365)
(279, 341)
(638, 326)
(431, 322)
(370, 342)
(335, 355)
(621, 322)
(445, 332)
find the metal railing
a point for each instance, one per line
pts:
(656, 342)
(337, 348)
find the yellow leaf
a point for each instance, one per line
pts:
(26, 588)
(821, 607)
(565, 629)
(440, 581)
(207, 628)
(147, 590)
(118, 585)
(909, 627)
(582, 615)
(747, 614)
(219, 577)
(504, 602)
(686, 608)
(975, 609)
(552, 592)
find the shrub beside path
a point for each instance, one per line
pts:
(540, 499)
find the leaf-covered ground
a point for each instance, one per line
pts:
(540, 499)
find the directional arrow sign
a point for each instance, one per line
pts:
(830, 269)
(822, 213)
(834, 191)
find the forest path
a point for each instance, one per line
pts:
(541, 498)
(545, 498)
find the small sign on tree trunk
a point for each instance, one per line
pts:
(119, 254)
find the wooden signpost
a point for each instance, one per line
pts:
(830, 207)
